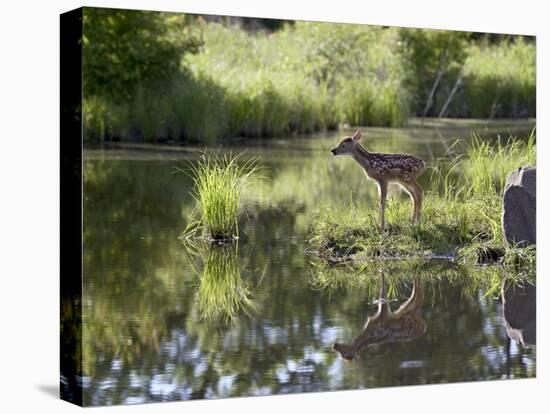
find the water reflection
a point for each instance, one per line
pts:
(404, 324)
(520, 312)
(222, 293)
(156, 319)
(71, 355)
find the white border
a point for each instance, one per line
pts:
(29, 85)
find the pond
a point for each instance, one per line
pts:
(169, 320)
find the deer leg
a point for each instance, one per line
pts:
(414, 301)
(418, 294)
(383, 192)
(383, 305)
(415, 191)
(407, 186)
(418, 202)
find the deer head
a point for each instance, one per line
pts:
(347, 351)
(347, 145)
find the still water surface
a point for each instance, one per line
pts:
(163, 320)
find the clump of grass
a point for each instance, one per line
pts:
(219, 181)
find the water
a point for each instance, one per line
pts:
(163, 320)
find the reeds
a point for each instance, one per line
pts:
(219, 180)
(488, 164)
(500, 81)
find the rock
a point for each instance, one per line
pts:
(519, 207)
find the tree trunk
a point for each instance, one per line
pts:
(429, 102)
(495, 105)
(457, 85)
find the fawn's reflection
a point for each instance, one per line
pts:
(520, 313)
(386, 326)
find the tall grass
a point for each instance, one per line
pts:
(488, 164)
(479, 168)
(301, 79)
(500, 81)
(306, 77)
(219, 180)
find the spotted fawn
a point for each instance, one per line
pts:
(384, 169)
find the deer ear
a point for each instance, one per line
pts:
(357, 135)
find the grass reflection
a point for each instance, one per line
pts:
(363, 277)
(223, 293)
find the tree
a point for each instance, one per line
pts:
(434, 54)
(124, 48)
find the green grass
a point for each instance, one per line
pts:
(219, 181)
(460, 216)
(488, 164)
(500, 81)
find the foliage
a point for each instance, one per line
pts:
(125, 48)
(433, 54)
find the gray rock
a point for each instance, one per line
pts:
(519, 207)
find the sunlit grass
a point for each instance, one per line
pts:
(219, 181)
(488, 164)
(303, 78)
(498, 77)
(445, 226)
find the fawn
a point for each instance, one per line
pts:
(402, 169)
(386, 326)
